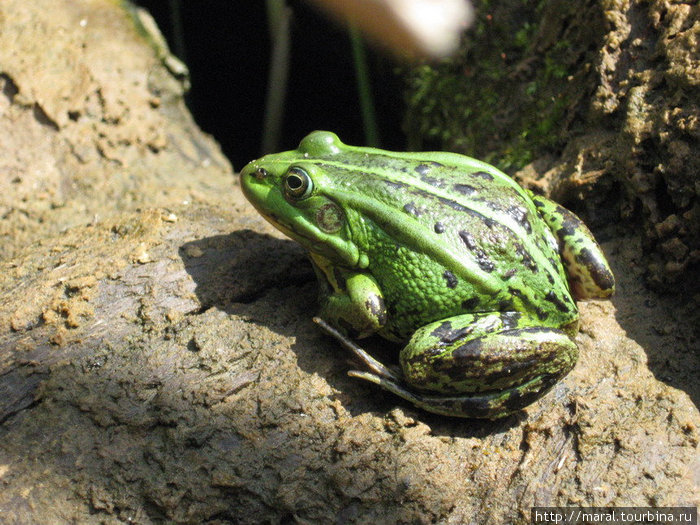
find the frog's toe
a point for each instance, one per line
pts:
(392, 385)
(378, 369)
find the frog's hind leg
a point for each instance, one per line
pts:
(484, 365)
(588, 271)
(485, 405)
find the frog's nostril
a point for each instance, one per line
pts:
(260, 173)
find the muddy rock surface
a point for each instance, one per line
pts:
(158, 362)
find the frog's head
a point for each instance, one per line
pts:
(292, 191)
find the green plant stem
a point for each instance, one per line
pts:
(278, 16)
(364, 88)
(179, 47)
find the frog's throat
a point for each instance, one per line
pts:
(330, 246)
(413, 233)
(295, 226)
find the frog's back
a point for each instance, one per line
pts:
(447, 234)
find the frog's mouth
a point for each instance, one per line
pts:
(265, 200)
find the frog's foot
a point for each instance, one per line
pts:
(486, 405)
(379, 370)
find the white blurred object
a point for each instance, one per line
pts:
(413, 27)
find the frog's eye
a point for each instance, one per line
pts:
(297, 184)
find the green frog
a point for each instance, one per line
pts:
(444, 254)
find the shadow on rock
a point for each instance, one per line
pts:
(665, 326)
(265, 280)
(243, 266)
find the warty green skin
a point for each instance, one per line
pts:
(443, 253)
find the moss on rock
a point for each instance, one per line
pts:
(598, 94)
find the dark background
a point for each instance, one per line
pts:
(227, 49)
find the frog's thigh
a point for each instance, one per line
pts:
(586, 266)
(359, 309)
(475, 353)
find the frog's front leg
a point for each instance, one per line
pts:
(480, 365)
(349, 301)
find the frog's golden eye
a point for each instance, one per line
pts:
(297, 184)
